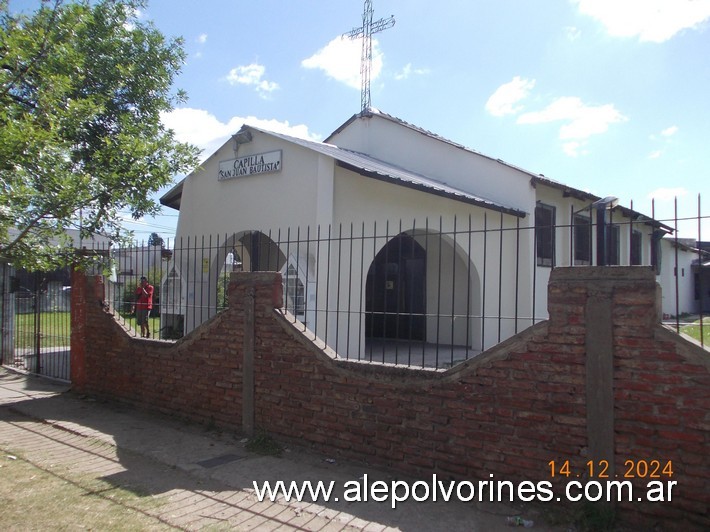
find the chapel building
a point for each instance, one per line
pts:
(385, 233)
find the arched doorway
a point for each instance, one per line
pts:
(395, 297)
(259, 252)
(244, 251)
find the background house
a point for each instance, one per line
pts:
(684, 261)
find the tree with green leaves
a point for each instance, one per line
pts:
(82, 87)
(155, 240)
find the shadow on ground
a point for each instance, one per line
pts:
(159, 454)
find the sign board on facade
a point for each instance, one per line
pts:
(260, 163)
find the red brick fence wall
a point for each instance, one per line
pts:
(600, 382)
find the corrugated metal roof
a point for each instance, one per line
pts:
(535, 178)
(377, 169)
(426, 133)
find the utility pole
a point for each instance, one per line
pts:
(365, 31)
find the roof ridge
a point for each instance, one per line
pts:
(435, 136)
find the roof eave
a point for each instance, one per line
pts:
(173, 196)
(576, 193)
(430, 190)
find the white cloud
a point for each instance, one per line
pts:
(665, 139)
(407, 71)
(252, 75)
(649, 20)
(581, 121)
(207, 132)
(340, 60)
(669, 131)
(503, 101)
(667, 194)
(200, 40)
(575, 148)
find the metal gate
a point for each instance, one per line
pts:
(36, 322)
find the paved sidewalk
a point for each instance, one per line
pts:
(204, 479)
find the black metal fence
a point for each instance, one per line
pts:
(427, 293)
(36, 321)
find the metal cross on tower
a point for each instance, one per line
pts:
(365, 31)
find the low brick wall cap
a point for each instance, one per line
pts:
(255, 277)
(603, 273)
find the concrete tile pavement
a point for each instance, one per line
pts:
(204, 479)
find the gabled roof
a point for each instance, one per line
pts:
(375, 112)
(535, 179)
(369, 167)
(377, 169)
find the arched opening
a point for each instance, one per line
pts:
(259, 253)
(249, 251)
(299, 281)
(232, 263)
(395, 292)
(172, 304)
(423, 300)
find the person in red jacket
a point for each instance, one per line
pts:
(144, 304)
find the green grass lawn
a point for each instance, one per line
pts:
(693, 330)
(55, 329)
(39, 496)
(130, 321)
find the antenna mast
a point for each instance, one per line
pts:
(365, 31)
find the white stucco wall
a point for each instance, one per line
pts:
(565, 206)
(389, 209)
(299, 194)
(464, 169)
(667, 279)
(215, 214)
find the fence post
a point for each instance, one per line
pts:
(248, 365)
(599, 365)
(7, 316)
(255, 295)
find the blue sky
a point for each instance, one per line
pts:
(609, 96)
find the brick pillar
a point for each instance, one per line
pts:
(86, 290)
(254, 296)
(78, 329)
(606, 305)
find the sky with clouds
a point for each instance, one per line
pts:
(609, 96)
